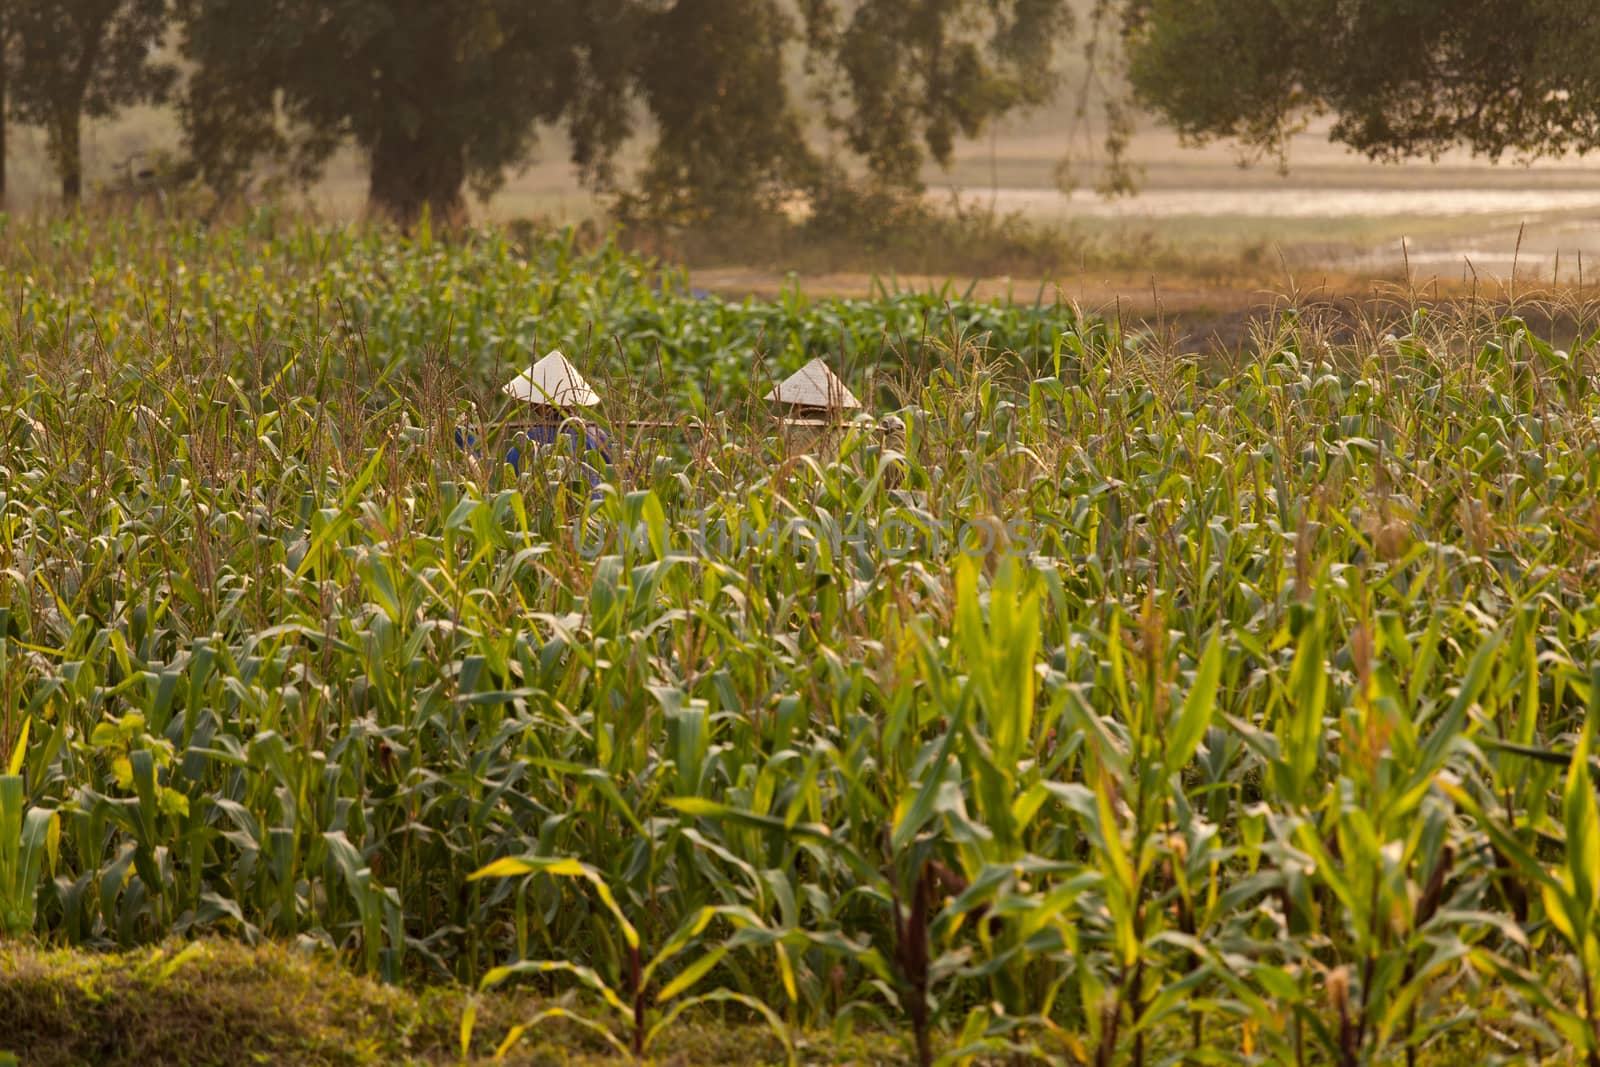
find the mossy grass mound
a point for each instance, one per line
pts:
(221, 1002)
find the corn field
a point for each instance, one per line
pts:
(1136, 707)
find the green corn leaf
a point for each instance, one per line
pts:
(19, 748)
(1195, 717)
(586, 975)
(561, 867)
(692, 974)
(1582, 822)
(516, 1033)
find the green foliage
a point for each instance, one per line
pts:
(911, 77)
(1401, 79)
(331, 302)
(1162, 711)
(26, 834)
(441, 93)
(436, 93)
(7, 45)
(78, 59)
(730, 141)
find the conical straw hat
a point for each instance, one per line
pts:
(814, 386)
(554, 381)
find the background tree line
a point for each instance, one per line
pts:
(447, 95)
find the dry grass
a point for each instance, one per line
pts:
(220, 1002)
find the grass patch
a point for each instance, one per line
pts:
(215, 1001)
(852, 230)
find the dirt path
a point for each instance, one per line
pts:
(1195, 311)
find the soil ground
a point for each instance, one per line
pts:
(1200, 313)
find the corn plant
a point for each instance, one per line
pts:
(1123, 706)
(27, 836)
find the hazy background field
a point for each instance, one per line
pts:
(1333, 213)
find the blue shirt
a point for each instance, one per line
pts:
(568, 436)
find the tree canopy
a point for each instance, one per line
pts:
(750, 102)
(1400, 78)
(80, 58)
(910, 77)
(442, 91)
(437, 92)
(7, 43)
(710, 76)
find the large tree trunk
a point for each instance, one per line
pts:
(2, 115)
(67, 147)
(5, 39)
(410, 172)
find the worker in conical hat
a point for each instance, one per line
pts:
(812, 406)
(555, 394)
(814, 391)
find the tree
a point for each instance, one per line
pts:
(442, 92)
(1412, 78)
(83, 58)
(6, 39)
(729, 138)
(897, 79)
(915, 73)
(436, 92)
(445, 91)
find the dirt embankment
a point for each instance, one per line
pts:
(1204, 313)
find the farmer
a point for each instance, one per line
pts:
(810, 405)
(551, 388)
